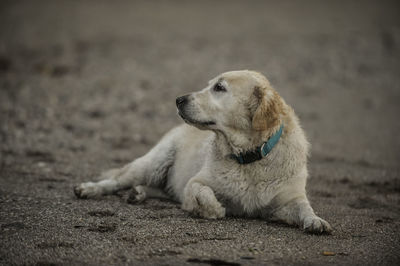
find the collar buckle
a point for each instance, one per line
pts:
(262, 151)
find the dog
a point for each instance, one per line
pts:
(240, 152)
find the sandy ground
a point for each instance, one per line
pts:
(90, 85)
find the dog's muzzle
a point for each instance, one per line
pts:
(181, 102)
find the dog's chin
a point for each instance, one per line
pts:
(194, 122)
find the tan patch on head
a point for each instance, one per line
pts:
(269, 111)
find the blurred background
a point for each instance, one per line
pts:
(90, 85)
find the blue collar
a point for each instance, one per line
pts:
(261, 151)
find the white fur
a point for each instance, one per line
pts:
(193, 162)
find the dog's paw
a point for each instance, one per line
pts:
(209, 211)
(136, 195)
(212, 212)
(316, 225)
(87, 190)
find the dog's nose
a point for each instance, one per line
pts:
(181, 100)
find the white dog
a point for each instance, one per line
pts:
(241, 153)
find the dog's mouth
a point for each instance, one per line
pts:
(191, 121)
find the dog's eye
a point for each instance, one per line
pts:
(219, 88)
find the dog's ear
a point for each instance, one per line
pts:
(269, 110)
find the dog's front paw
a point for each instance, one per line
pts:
(209, 211)
(87, 190)
(316, 225)
(215, 212)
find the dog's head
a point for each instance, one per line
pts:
(237, 100)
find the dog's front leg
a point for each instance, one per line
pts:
(200, 200)
(298, 211)
(150, 170)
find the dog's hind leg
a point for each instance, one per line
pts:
(150, 170)
(141, 193)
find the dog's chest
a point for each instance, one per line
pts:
(244, 191)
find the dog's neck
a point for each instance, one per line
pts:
(237, 142)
